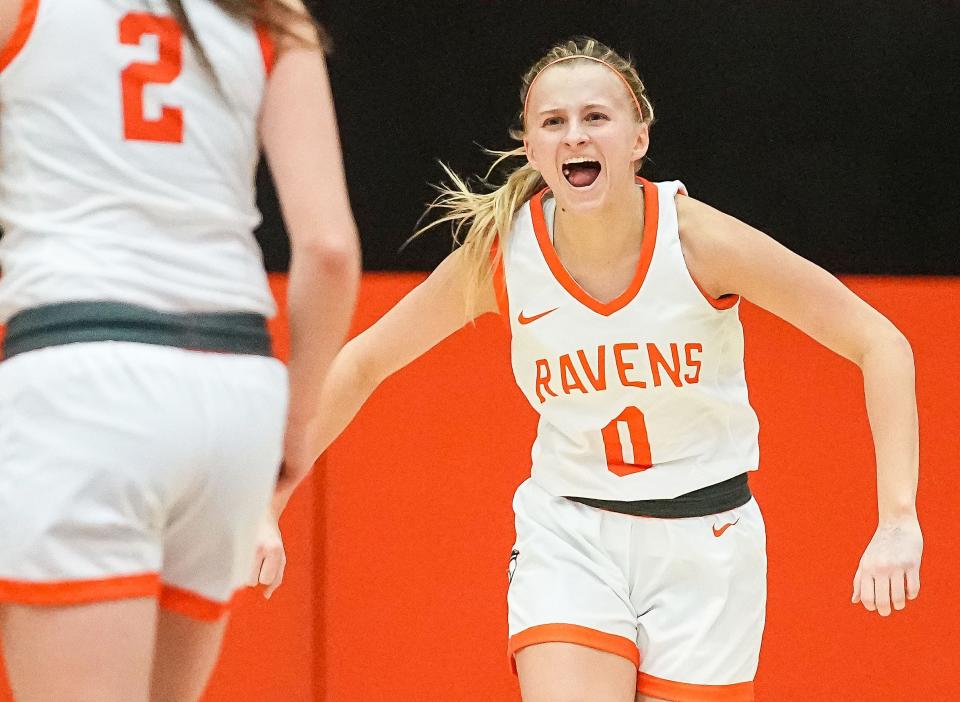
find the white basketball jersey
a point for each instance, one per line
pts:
(124, 174)
(640, 398)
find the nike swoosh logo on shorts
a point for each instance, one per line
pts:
(526, 320)
(719, 532)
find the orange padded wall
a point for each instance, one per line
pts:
(398, 549)
(419, 525)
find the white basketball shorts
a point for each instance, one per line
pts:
(683, 599)
(133, 470)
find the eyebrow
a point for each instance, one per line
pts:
(589, 106)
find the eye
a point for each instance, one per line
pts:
(551, 121)
(596, 117)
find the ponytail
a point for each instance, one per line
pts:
(487, 217)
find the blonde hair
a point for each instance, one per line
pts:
(484, 215)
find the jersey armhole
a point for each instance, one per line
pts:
(17, 40)
(724, 302)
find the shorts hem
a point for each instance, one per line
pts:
(575, 634)
(687, 692)
(77, 592)
(192, 605)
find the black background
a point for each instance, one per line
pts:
(832, 126)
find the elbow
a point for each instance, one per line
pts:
(895, 342)
(364, 371)
(891, 344)
(331, 256)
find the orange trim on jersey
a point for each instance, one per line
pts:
(17, 40)
(72, 592)
(267, 47)
(685, 692)
(651, 217)
(500, 280)
(575, 634)
(190, 604)
(723, 302)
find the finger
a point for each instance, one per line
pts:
(268, 571)
(254, 578)
(897, 590)
(277, 580)
(881, 586)
(913, 583)
(867, 595)
(856, 587)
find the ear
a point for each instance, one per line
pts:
(642, 143)
(531, 159)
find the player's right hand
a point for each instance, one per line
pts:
(269, 559)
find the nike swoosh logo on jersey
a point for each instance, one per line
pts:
(719, 532)
(526, 320)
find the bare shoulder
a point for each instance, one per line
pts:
(9, 14)
(728, 256)
(709, 238)
(295, 18)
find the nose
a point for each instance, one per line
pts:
(575, 135)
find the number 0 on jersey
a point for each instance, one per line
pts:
(626, 444)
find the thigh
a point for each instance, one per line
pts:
(185, 655)
(98, 652)
(565, 672)
(700, 585)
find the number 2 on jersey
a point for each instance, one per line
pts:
(626, 443)
(135, 77)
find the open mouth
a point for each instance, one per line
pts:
(581, 173)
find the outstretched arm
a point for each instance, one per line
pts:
(727, 256)
(425, 316)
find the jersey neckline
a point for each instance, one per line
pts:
(650, 224)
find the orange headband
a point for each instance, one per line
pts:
(636, 100)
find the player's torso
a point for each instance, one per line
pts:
(642, 397)
(124, 173)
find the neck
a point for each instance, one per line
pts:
(604, 234)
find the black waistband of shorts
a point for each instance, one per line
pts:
(713, 499)
(80, 322)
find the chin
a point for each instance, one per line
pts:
(582, 200)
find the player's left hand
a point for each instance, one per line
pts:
(889, 572)
(270, 558)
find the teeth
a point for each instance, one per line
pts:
(578, 159)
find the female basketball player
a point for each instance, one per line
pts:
(622, 297)
(141, 413)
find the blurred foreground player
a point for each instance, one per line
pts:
(142, 415)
